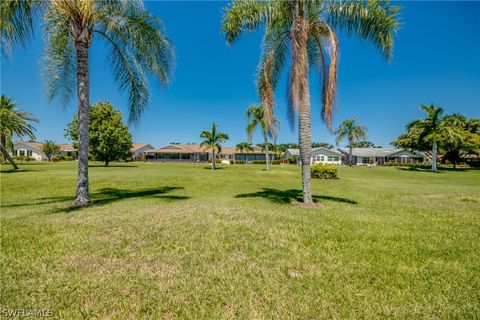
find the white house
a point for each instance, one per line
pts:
(319, 155)
(33, 149)
(379, 156)
(138, 149)
(29, 149)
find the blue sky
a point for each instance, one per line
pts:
(436, 59)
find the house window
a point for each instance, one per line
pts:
(322, 158)
(336, 158)
(365, 160)
(29, 153)
(317, 158)
(15, 153)
(21, 152)
(332, 158)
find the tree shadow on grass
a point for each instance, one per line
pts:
(112, 166)
(289, 196)
(15, 171)
(439, 170)
(108, 195)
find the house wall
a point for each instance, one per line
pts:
(326, 157)
(26, 150)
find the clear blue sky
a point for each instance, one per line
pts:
(436, 59)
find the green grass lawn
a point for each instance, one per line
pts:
(181, 241)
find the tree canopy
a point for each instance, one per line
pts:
(50, 148)
(109, 137)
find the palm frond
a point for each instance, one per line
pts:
(374, 20)
(59, 58)
(138, 47)
(243, 16)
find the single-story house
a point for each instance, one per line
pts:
(184, 153)
(319, 155)
(33, 149)
(138, 149)
(195, 153)
(379, 156)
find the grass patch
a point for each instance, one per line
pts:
(179, 241)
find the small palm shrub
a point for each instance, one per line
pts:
(321, 171)
(292, 160)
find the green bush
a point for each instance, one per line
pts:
(67, 158)
(55, 158)
(292, 160)
(19, 158)
(320, 171)
(240, 161)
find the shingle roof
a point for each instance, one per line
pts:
(296, 152)
(32, 144)
(136, 146)
(374, 152)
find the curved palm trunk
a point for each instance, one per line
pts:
(434, 157)
(265, 140)
(300, 59)
(7, 156)
(83, 93)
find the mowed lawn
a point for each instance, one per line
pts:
(181, 241)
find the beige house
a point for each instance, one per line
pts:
(138, 149)
(195, 153)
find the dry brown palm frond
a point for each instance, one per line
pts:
(321, 31)
(267, 94)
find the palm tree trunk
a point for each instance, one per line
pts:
(83, 93)
(350, 158)
(213, 159)
(265, 140)
(434, 156)
(7, 156)
(300, 58)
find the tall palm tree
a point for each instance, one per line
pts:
(14, 122)
(136, 47)
(212, 140)
(353, 131)
(244, 147)
(256, 118)
(430, 129)
(306, 29)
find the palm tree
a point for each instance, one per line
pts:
(306, 29)
(430, 129)
(256, 118)
(353, 131)
(244, 146)
(136, 47)
(13, 122)
(212, 140)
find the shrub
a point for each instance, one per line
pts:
(240, 162)
(320, 171)
(67, 158)
(292, 160)
(19, 158)
(55, 158)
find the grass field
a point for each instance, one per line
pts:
(181, 241)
